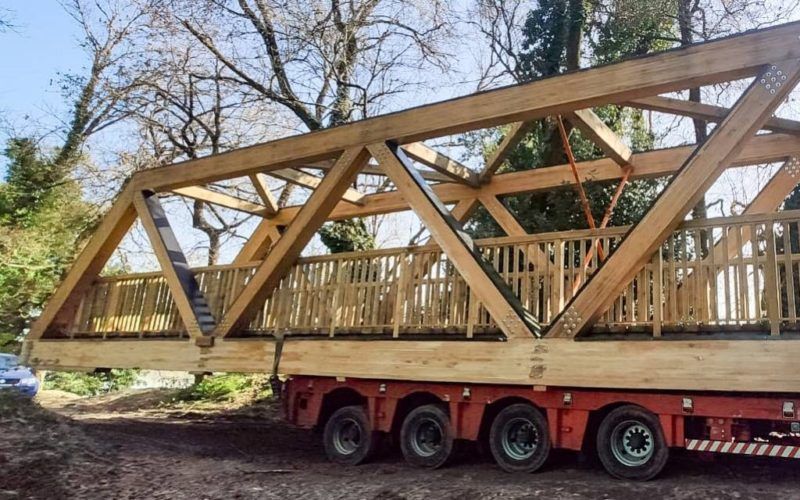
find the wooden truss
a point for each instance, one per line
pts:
(532, 354)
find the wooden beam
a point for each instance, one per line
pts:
(705, 365)
(223, 200)
(288, 247)
(309, 181)
(60, 309)
(703, 64)
(428, 156)
(759, 149)
(190, 302)
(262, 188)
(511, 226)
(682, 193)
(514, 135)
(257, 246)
(483, 280)
(707, 112)
(598, 132)
(768, 200)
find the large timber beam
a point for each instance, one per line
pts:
(296, 236)
(703, 64)
(759, 149)
(598, 132)
(682, 193)
(483, 280)
(707, 112)
(495, 160)
(191, 304)
(223, 200)
(428, 156)
(300, 178)
(60, 310)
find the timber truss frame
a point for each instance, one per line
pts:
(769, 57)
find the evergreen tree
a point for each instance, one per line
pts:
(42, 218)
(557, 33)
(350, 235)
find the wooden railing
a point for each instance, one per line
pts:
(734, 273)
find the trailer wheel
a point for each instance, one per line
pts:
(631, 445)
(519, 438)
(348, 437)
(426, 437)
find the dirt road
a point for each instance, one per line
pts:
(119, 449)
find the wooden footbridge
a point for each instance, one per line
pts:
(702, 304)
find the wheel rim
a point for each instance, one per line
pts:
(520, 438)
(427, 437)
(347, 436)
(632, 443)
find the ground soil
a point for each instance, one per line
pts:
(137, 445)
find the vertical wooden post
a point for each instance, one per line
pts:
(771, 284)
(400, 295)
(658, 277)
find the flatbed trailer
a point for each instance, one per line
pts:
(667, 333)
(631, 431)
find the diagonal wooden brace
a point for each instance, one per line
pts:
(692, 180)
(285, 251)
(192, 306)
(485, 283)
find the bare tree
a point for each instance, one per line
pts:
(326, 62)
(186, 109)
(109, 36)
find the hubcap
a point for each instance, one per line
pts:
(347, 436)
(427, 437)
(520, 438)
(632, 443)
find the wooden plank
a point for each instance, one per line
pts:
(506, 309)
(598, 132)
(688, 185)
(309, 181)
(262, 188)
(223, 200)
(509, 224)
(428, 156)
(294, 239)
(713, 365)
(175, 268)
(60, 309)
(514, 135)
(659, 163)
(703, 64)
(707, 112)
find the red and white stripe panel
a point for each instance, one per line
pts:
(743, 448)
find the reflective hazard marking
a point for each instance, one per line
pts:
(758, 449)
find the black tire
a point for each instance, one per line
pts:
(519, 438)
(426, 437)
(348, 436)
(631, 445)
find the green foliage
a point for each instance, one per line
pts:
(42, 218)
(90, 384)
(617, 29)
(349, 235)
(226, 387)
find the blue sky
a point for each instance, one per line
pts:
(43, 44)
